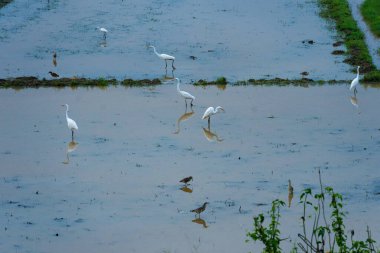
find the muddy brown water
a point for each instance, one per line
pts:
(236, 39)
(117, 189)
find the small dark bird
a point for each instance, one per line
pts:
(200, 209)
(55, 75)
(186, 180)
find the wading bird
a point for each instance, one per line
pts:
(211, 111)
(165, 57)
(186, 180)
(355, 82)
(200, 209)
(70, 123)
(184, 94)
(103, 30)
(53, 74)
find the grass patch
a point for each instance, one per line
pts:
(4, 2)
(372, 77)
(339, 11)
(370, 10)
(324, 211)
(34, 82)
(143, 82)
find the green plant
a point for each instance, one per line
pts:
(370, 10)
(269, 236)
(339, 11)
(322, 236)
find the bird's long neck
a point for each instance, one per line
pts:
(357, 75)
(154, 49)
(67, 109)
(178, 86)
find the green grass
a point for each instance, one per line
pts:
(370, 10)
(323, 209)
(339, 11)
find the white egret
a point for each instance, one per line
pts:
(165, 57)
(211, 111)
(355, 82)
(184, 94)
(103, 30)
(70, 123)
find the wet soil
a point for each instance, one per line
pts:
(116, 187)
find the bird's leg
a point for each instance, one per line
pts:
(166, 64)
(208, 122)
(72, 135)
(355, 91)
(186, 104)
(173, 64)
(191, 103)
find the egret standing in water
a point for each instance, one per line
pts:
(103, 30)
(186, 95)
(70, 123)
(165, 57)
(355, 82)
(211, 111)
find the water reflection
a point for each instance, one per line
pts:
(183, 117)
(71, 146)
(354, 101)
(200, 221)
(290, 193)
(103, 42)
(186, 189)
(54, 59)
(168, 77)
(210, 136)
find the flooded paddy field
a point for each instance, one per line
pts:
(236, 39)
(116, 188)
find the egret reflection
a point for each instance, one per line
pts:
(354, 101)
(103, 43)
(169, 77)
(71, 146)
(183, 117)
(210, 136)
(200, 221)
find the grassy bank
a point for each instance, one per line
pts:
(34, 82)
(4, 2)
(370, 10)
(358, 54)
(371, 79)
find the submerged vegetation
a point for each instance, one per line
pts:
(327, 234)
(358, 54)
(370, 10)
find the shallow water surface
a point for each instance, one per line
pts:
(116, 188)
(236, 39)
